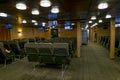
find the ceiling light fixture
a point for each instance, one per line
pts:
(103, 5)
(86, 26)
(21, 6)
(35, 12)
(108, 16)
(43, 23)
(45, 3)
(100, 21)
(93, 18)
(24, 21)
(55, 9)
(95, 24)
(73, 24)
(34, 21)
(3, 14)
(90, 22)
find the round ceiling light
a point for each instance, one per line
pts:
(55, 9)
(93, 18)
(21, 6)
(108, 16)
(103, 5)
(45, 3)
(35, 12)
(3, 14)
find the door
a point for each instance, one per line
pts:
(54, 33)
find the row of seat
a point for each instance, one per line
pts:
(4, 55)
(17, 46)
(71, 41)
(10, 50)
(48, 53)
(105, 41)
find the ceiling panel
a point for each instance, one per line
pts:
(69, 10)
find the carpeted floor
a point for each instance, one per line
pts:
(94, 64)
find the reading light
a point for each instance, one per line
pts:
(21, 6)
(108, 16)
(93, 18)
(3, 14)
(45, 3)
(35, 12)
(55, 9)
(103, 5)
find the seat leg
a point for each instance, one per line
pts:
(64, 66)
(5, 63)
(62, 70)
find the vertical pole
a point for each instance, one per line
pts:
(112, 39)
(78, 38)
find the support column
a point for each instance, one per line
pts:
(118, 34)
(112, 39)
(91, 35)
(78, 38)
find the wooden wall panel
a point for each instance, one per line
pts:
(29, 32)
(67, 33)
(4, 33)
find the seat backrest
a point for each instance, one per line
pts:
(14, 47)
(1, 46)
(32, 52)
(45, 48)
(31, 40)
(61, 49)
(2, 55)
(119, 44)
(46, 53)
(31, 48)
(116, 44)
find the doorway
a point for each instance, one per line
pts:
(54, 33)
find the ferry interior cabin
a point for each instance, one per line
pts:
(59, 39)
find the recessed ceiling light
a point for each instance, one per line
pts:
(34, 21)
(108, 16)
(100, 21)
(55, 9)
(3, 14)
(21, 6)
(73, 24)
(43, 23)
(24, 21)
(45, 3)
(90, 22)
(103, 5)
(93, 18)
(35, 12)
